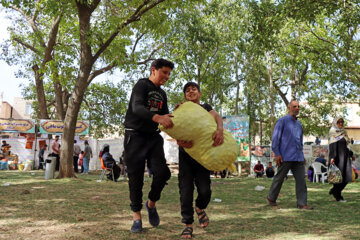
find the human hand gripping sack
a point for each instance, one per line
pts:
(218, 137)
(164, 120)
(185, 144)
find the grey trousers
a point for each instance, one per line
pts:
(298, 170)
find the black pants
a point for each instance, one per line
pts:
(57, 166)
(141, 147)
(76, 164)
(116, 171)
(191, 172)
(270, 174)
(41, 163)
(337, 189)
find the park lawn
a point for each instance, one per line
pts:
(34, 208)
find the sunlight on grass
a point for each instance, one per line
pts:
(311, 189)
(352, 190)
(297, 236)
(69, 209)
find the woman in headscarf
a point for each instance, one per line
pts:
(109, 162)
(339, 155)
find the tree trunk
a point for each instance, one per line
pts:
(58, 98)
(272, 111)
(86, 63)
(261, 133)
(293, 85)
(237, 86)
(40, 93)
(67, 143)
(221, 100)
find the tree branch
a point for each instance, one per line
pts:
(303, 74)
(149, 58)
(100, 71)
(134, 17)
(136, 42)
(50, 103)
(32, 24)
(36, 13)
(282, 95)
(28, 46)
(208, 63)
(322, 39)
(52, 40)
(94, 5)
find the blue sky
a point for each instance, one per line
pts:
(9, 83)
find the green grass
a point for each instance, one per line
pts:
(34, 208)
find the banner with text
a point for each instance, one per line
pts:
(17, 125)
(57, 127)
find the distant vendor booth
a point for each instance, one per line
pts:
(12, 154)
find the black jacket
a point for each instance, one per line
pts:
(146, 100)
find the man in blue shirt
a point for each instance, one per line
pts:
(287, 144)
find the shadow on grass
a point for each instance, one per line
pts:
(34, 208)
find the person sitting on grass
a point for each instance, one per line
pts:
(270, 170)
(190, 171)
(259, 169)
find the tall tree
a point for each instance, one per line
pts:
(95, 43)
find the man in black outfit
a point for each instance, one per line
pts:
(143, 142)
(41, 157)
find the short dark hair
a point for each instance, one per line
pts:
(293, 100)
(75, 141)
(160, 62)
(86, 142)
(191, 84)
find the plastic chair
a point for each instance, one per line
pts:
(104, 169)
(317, 172)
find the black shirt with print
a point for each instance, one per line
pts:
(146, 100)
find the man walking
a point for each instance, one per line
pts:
(77, 151)
(143, 142)
(287, 144)
(87, 156)
(41, 157)
(55, 147)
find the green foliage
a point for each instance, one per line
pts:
(105, 106)
(229, 47)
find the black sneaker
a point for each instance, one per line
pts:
(137, 226)
(154, 218)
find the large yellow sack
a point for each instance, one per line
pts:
(193, 123)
